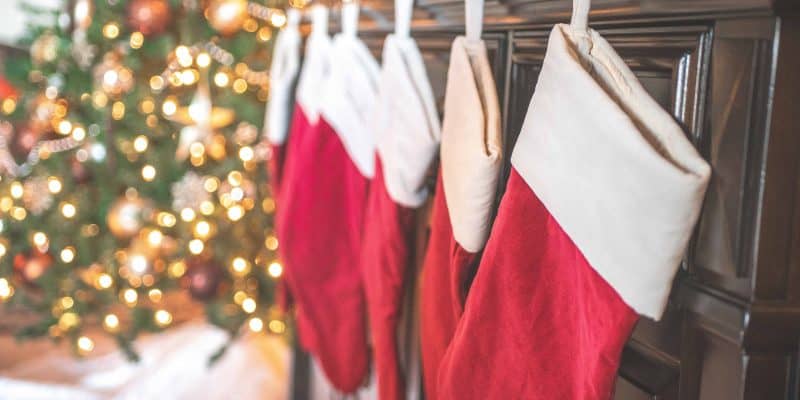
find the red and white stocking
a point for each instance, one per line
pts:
(323, 201)
(603, 196)
(407, 130)
(471, 154)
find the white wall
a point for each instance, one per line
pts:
(13, 20)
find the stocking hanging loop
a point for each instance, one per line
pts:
(580, 15)
(350, 18)
(403, 11)
(319, 20)
(473, 10)
(293, 18)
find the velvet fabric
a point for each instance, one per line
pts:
(320, 223)
(540, 323)
(446, 276)
(386, 268)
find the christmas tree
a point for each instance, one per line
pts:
(132, 171)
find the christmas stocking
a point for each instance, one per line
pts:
(465, 195)
(305, 120)
(282, 74)
(407, 129)
(322, 212)
(603, 195)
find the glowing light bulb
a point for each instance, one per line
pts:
(6, 290)
(40, 239)
(256, 324)
(104, 281)
(68, 210)
(16, 190)
(140, 143)
(155, 237)
(240, 266)
(196, 246)
(111, 323)
(148, 173)
(275, 269)
(130, 297)
(162, 318)
(249, 305)
(85, 345)
(54, 185)
(68, 254)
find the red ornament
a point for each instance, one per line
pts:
(31, 265)
(204, 277)
(80, 172)
(149, 16)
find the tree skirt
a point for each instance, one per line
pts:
(174, 365)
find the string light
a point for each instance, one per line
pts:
(256, 324)
(235, 213)
(249, 305)
(68, 210)
(78, 133)
(137, 39)
(6, 290)
(246, 153)
(130, 297)
(156, 83)
(104, 281)
(155, 237)
(85, 345)
(140, 143)
(68, 254)
(16, 190)
(188, 215)
(40, 239)
(277, 326)
(3, 249)
(169, 107)
(166, 219)
(162, 318)
(148, 173)
(64, 127)
(118, 110)
(202, 229)
(184, 56)
(275, 269)
(203, 60)
(111, 323)
(111, 30)
(240, 266)
(271, 242)
(196, 246)
(154, 295)
(54, 185)
(221, 79)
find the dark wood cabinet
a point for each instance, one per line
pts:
(729, 71)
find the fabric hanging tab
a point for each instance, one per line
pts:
(580, 15)
(319, 20)
(473, 10)
(350, 18)
(403, 12)
(293, 18)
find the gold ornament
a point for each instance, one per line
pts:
(201, 119)
(125, 218)
(227, 16)
(113, 77)
(45, 48)
(149, 17)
